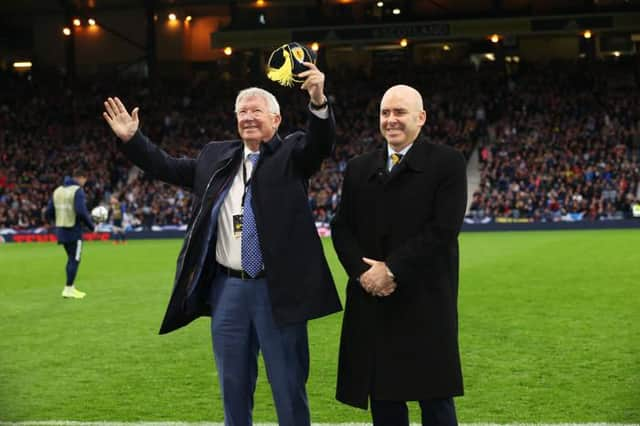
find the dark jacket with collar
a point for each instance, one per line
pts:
(72, 233)
(300, 283)
(403, 346)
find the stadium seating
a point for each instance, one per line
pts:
(557, 141)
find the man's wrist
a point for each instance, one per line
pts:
(317, 106)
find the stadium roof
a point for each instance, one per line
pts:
(37, 7)
(17, 16)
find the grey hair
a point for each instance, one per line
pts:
(251, 92)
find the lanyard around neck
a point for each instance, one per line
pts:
(246, 181)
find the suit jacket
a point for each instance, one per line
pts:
(403, 346)
(300, 283)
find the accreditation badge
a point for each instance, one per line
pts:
(237, 226)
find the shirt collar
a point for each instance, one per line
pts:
(247, 151)
(403, 152)
(392, 151)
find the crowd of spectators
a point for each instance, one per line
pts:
(555, 141)
(565, 147)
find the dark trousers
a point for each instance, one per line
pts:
(242, 324)
(435, 412)
(74, 250)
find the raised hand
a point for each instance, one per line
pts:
(313, 83)
(123, 125)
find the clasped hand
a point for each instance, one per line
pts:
(376, 280)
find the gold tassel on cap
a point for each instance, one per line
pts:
(283, 73)
(286, 62)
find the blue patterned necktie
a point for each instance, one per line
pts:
(250, 246)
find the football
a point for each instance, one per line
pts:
(99, 214)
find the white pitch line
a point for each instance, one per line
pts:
(79, 423)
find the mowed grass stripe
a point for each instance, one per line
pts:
(75, 423)
(549, 333)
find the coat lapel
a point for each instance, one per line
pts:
(415, 161)
(377, 169)
(271, 146)
(418, 156)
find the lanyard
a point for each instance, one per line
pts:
(245, 181)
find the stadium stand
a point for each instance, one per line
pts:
(557, 141)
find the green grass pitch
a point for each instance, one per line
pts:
(549, 332)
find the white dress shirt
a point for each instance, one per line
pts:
(228, 247)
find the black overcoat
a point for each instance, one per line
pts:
(300, 283)
(404, 346)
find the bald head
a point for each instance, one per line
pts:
(411, 95)
(402, 116)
